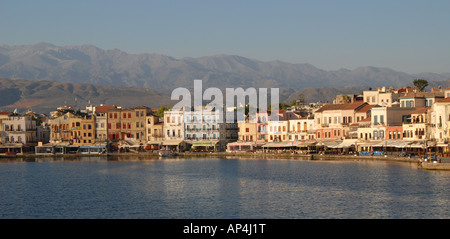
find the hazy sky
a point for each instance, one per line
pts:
(406, 35)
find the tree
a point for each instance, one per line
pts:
(420, 84)
(160, 112)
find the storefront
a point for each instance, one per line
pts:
(206, 146)
(244, 146)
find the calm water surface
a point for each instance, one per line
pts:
(220, 188)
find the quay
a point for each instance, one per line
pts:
(309, 157)
(434, 166)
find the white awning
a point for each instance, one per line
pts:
(275, 145)
(172, 142)
(343, 145)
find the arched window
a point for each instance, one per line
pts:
(381, 134)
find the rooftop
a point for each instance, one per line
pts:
(104, 108)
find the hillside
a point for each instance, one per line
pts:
(91, 65)
(46, 96)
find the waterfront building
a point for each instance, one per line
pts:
(262, 119)
(381, 96)
(278, 130)
(60, 128)
(347, 98)
(364, 131)
(127, 126)
(154, 131)
(394, 132)
(3, 115)
(446, 92)
(174, 129)
(333, 121)
(385, 116)
(247, 131)
(439, 116)
(210, 130)
(19, 129)
(101, 122)
(82, 130)
(43, 132)
(420, 99)
(417, 127)
(301, 129)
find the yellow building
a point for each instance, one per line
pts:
(60, 128)
(155, 131)
(418, 127)
(247, 132)
(278, 131)
(82, 130)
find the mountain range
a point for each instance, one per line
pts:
(94, 73)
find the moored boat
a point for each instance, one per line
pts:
(166, 153)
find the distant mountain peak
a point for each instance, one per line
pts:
(114, 67)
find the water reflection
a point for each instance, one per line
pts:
(142, 187)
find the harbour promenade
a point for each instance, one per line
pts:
(444, 163)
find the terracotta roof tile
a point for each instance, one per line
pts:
(444, 100)
(104, 108)
(420, 110)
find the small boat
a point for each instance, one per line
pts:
(166, 153)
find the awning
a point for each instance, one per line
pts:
(154, 142)
(403, 144)
(172, 142)
(417, 145)
(275, 145)
(365, 144)
(245, 144)
(305, 144)
(392, 143)
(329, 144)
(343, 145)
(205, 143)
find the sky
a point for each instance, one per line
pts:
(412, 36)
